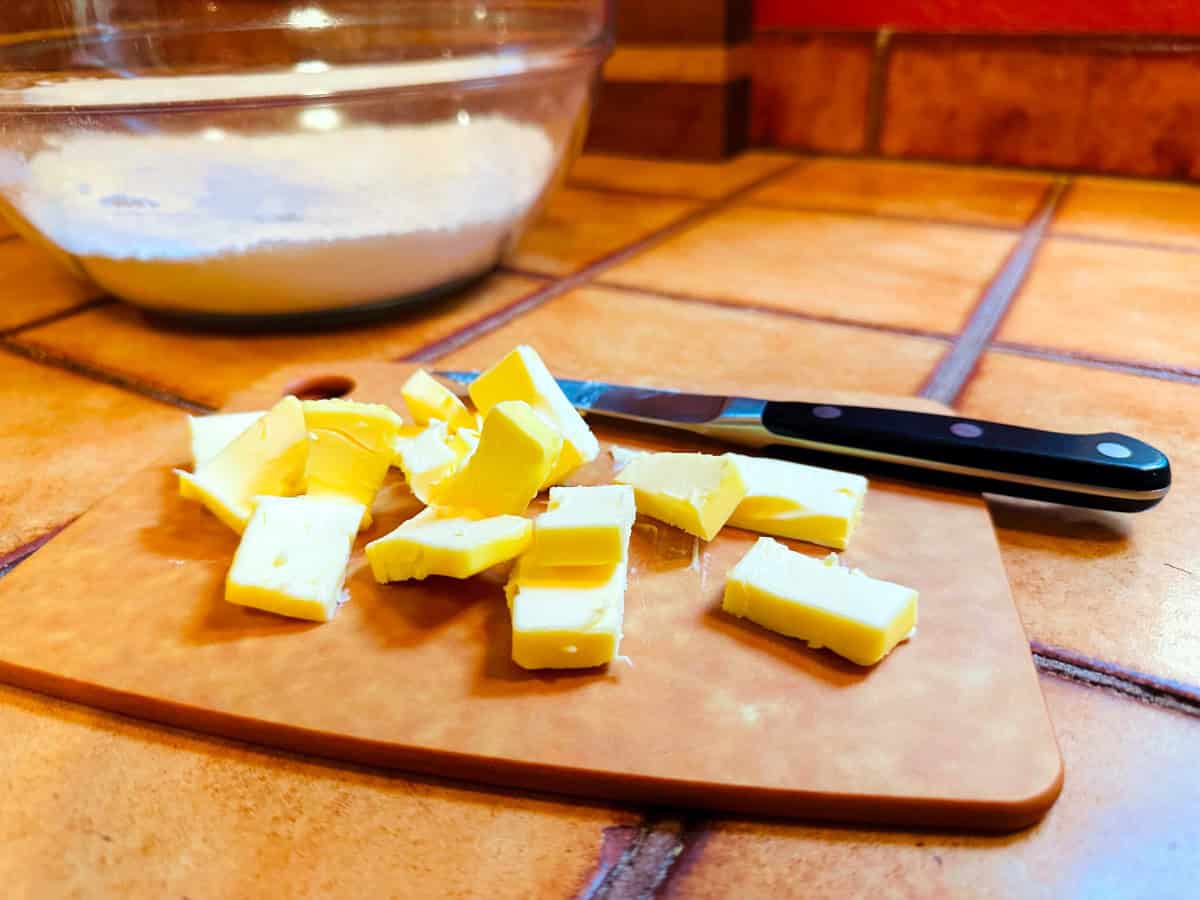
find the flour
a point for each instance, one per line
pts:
(328, 216)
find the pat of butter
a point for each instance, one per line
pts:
(212, 434)
(584, 526)
(693, 491)
(797, 501)
(463, 442)
(521, 375)
(820, 601)
(269, 458)
(293, 556)
(529, 572)
(429, 399)
(373, 425)
(437, 542)
(515, 453)
(350, 450)
(426, 458)
(557, 627)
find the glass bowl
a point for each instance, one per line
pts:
(255, 161)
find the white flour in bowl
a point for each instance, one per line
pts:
(315, 219)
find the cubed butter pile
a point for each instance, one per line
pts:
(298, 481)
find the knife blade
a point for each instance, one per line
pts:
(1106, 470)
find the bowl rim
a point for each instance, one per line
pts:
(539, 65)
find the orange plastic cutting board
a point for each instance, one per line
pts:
(124, 610)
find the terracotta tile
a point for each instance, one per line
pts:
(606, 333)
(65, 442)
(1139, 211)
(1091, 105)
(99, 805)
(206, 367)
(702, 180)
(947, 193)
(796, 101)
(871, 270)
(1125, 825)
(580, 226)
(1118, 587)
(1118, 302)
(33, 285)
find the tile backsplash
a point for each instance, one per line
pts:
(1122, 104)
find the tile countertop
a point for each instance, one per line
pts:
(1010, 295)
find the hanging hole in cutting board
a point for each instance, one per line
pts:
(321, 387)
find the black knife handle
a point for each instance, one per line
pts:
(1101, 471)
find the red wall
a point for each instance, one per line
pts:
(1142, 16)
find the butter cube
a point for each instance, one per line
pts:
(212, 434)
(529, 572)
(693, 491)
(797, 501)
(339, 466)
(351, 449)
(292, 558)
(515, 453)
(584, 526)
(820, 601)
(568, 628)
(464, 442)
(428, 399)
(425, 459)
(438, 542)
(269, 457)
(373, 425)
(521, 375)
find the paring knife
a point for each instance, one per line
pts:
(1101, 471)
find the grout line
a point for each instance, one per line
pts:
(53, 360)
(53, 317)
(13, 558)
(583, 184)
(955, 369)
(1085, 670)
(1076, 237)
(846, 212)
(804, 156)
(1010, 169)
(1127, 367)
(644, 865)
(876, 112)
(615, 847)
(695, 835)
(779, 311)
(489, 323)
(885, 216)
(495, 319)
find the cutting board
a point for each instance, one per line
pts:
(123, 610)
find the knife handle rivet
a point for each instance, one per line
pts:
(826, 412)
(1113, 450)
(965, 430)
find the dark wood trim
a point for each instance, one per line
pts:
(683, 21)
(689, 121)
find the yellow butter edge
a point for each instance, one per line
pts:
(701, 520)
(736, 601)
(382, 552)
(259, 597)
(191, 488)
